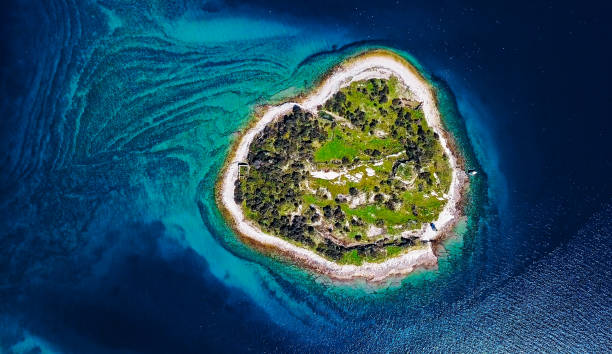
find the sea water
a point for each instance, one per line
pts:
(118, 117)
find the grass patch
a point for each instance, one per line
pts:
(393, 250)
(343, 145)
(428, 207)
(370, 213)
(351, 257)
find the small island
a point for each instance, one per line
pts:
(355, 180)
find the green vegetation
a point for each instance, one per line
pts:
(393, 250)
(371, 213)
(352, 257)
(351, 146)
(391, 174)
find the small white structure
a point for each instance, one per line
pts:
(242, 166)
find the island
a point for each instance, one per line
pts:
(357, 180)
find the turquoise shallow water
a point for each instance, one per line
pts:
(112, 241)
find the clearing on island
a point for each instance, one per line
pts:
(358, 179)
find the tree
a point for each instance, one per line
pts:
(238, 197)
(390, 205)
(327, 211)
(353, 191)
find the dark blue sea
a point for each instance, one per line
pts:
(117, 115)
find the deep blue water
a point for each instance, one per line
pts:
(117, 115)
